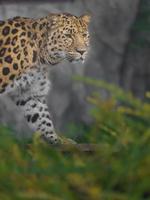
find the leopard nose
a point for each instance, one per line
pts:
(81, 51)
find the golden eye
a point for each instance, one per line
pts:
(84, 34)
(68, 35)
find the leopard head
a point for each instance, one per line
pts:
(68, 37)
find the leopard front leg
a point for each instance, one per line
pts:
(31, 98)
(36, 112)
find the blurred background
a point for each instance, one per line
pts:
(119, 54)
(97, 108)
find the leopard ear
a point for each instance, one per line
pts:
(54, 19)
(86, 18)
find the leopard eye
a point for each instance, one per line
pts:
(68, 35)
(85, 34)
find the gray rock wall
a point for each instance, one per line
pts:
(135, 66)
(110, 27)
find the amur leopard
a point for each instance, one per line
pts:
(27, 49)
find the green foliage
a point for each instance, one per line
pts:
(118, 170)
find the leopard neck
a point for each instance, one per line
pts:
(39, 37)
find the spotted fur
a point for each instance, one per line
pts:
(25, 45)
